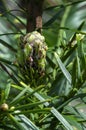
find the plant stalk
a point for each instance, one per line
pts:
(34, 15)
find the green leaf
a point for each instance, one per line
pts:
(26, 123)
(61, 119)
(50, 36)
(18, 97)
(74, 69)
(16, 17)
(53, 110)
(21, 107)
(14, 33)
(73, 122)
(54, 17)
(5, 61)
(7, 45)
(8, 72)
(63, 69)
(17, 125)
(7, 90)
(35, 111)
(79, 75)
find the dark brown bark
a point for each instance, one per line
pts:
(34, 15)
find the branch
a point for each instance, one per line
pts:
(34, 15)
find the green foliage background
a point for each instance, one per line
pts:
(58, 100)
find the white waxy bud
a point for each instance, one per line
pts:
(27, 50)
(4, 107)
(34, 52)
(43, 38)
(45, 47)
(12, 108)
(30, 38)
(79, 36)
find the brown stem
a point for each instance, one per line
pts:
(34, 15)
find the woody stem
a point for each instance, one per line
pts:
(34, 15)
